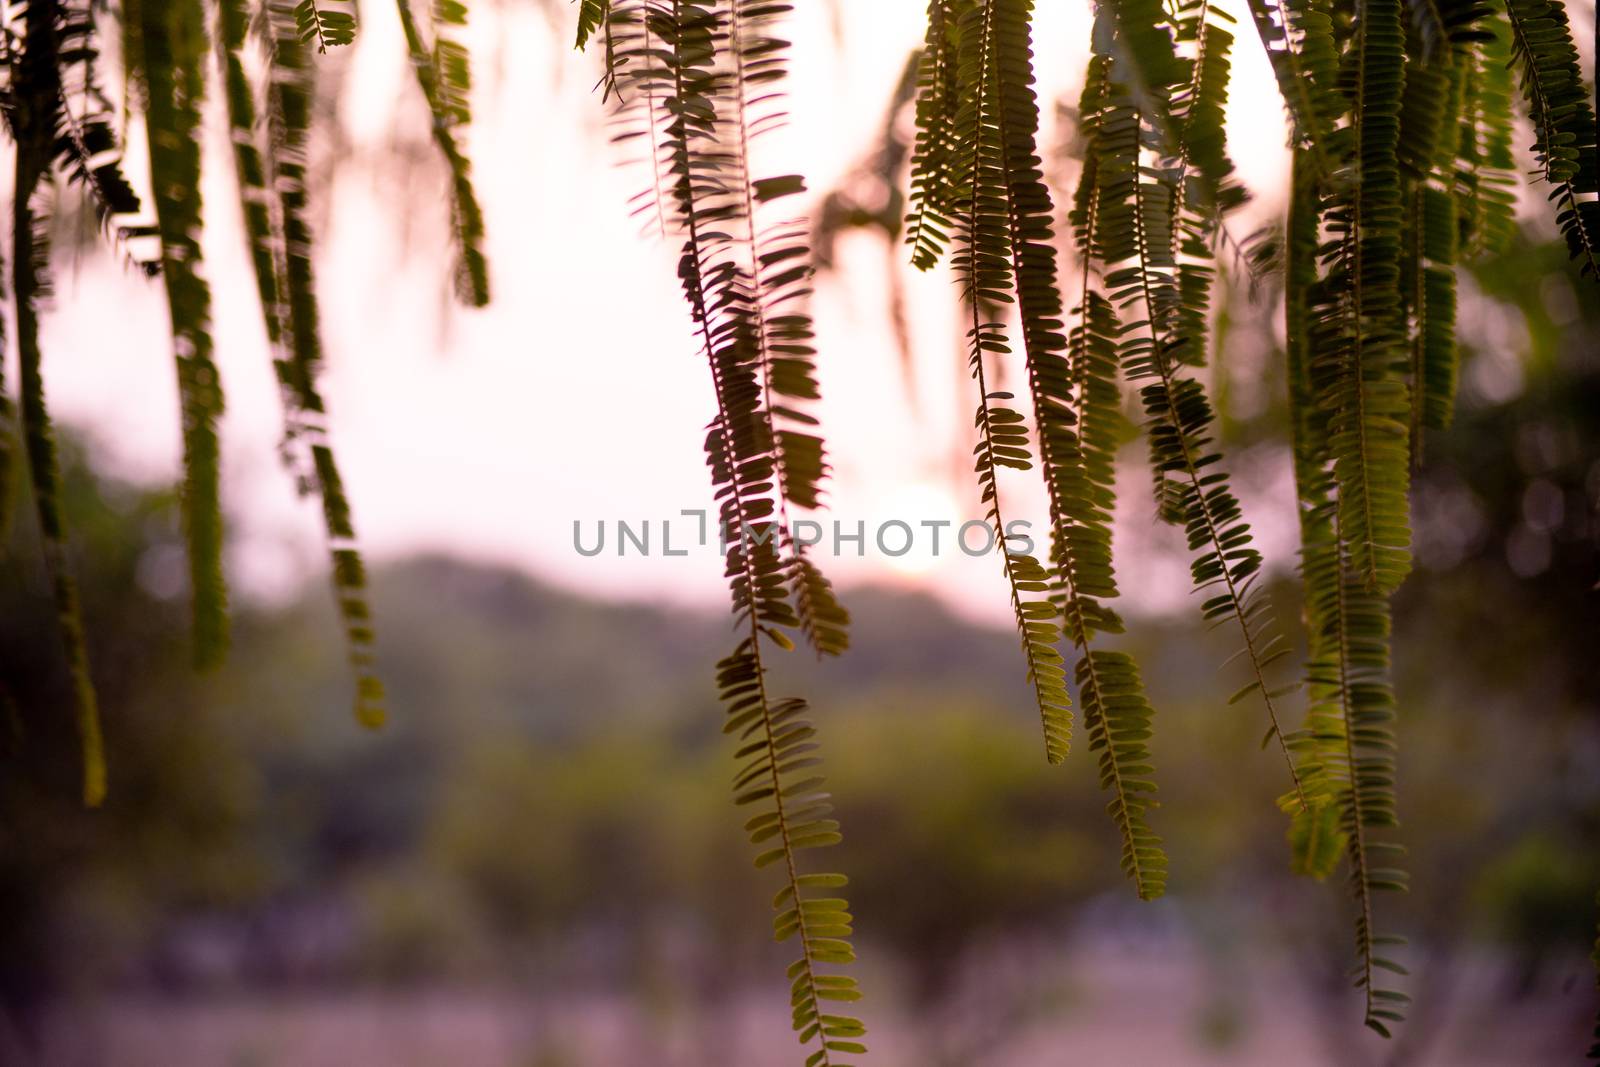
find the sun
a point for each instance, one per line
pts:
(914, 503)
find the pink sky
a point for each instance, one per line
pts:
(487, 432)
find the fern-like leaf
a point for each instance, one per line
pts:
(699, 83)
(1486, 171)
(1316, 836)
(172, 49)
(1209, 188)
(444, 91)
(1139, 34)
(596, 16)
(772, 306)
(451, 60)
(1082, 449)
(1117, 718)
(592, 18)
(1563, 122)
(325, 23)
(88, 146)
(992, 35)
(250, 175)
(746, 274)
(1370, 404)
(39, 436)
(778, 781)
(1351, 468)
(1299, 39)
(30, 283)
(1430, 152)
(1163, 301)
(1357, 716)
(933, 192)
(1078, 499)
(1346, 748)
(1434, 357)
(1080, 465)
(272, 204)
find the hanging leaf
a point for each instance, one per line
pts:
(172, 47)
(445, 91)
(39, 143)
(697, 83)
(1563, 122)
(325, 23)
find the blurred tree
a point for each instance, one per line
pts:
(84, 891)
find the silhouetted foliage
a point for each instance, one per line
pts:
(1400, 135)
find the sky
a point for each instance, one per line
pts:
(579, 395)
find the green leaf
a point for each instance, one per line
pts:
(36, 77)
(1154, 246)
(792, 820)
(171, 46)
(746, 280)
(444, 80)
(592, 17)
(325, 23)
(1563, 122)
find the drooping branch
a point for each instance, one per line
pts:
(696, 81)
(444, 88)
(172, 49)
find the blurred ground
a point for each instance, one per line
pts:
(1094, 1006)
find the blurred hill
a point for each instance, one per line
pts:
(548, 811)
